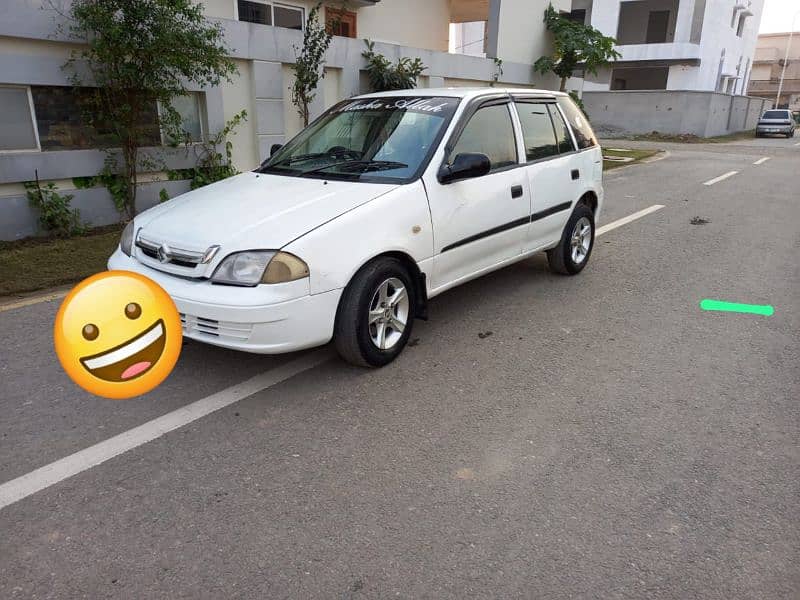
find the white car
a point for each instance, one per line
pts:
(382, 203)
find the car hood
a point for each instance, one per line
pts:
(253, 210)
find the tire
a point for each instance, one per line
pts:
(567, 258)
(357, 331)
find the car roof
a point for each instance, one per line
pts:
(464, 92)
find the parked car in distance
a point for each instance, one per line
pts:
(776, 120)
(382, 203)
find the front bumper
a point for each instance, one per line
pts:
(266, 319)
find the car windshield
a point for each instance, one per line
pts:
(776, 114)
(369, 139)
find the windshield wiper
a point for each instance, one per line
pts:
(298, 158)
(369, 165)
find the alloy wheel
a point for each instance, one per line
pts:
(388, 313)
(581, 240)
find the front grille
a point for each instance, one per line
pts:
(153, 254)
(167, 254)
(222, 330)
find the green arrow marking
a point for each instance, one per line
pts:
(756, 309)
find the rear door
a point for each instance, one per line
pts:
(481, 221)
(553, 177)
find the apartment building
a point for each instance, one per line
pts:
(768, 67)
(41, 132)
(704, 45)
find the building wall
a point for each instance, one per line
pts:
(521, 36)
(416, 23)
(703, 114)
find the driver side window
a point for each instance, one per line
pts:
(490, 132)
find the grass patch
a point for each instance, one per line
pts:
(636, 155)
(689, 138)
(38, 263)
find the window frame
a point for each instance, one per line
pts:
(552, 102)
(472, 108)
(272, 5)
(32, 112)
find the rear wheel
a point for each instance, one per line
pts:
(376, 314)
(577, 241)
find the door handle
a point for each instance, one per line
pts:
(575, 173)
(516, 191)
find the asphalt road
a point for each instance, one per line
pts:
(608, 439)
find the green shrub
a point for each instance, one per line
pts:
(56, 216)
(385, 76)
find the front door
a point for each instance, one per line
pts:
(480, 222)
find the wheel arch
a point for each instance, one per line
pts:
(419, 278)
(590, 200)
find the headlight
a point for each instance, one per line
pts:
(284, 267)
(259, 266)
(243, 268)
(126, 241)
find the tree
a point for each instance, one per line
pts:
(574, 44)
(140, 55)
(309, 62)
(385, 76)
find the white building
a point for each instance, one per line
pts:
(704, 45)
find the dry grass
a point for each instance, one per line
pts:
(39, 263)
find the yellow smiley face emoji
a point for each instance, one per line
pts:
(118, 334)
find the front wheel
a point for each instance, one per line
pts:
(376, 314)
(577, 241)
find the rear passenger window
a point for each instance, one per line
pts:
(490, 132)
(537, 131)
(579, 123)
(562, 135)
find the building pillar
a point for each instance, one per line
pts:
(683, 22)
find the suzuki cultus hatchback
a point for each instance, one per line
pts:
(382, 203)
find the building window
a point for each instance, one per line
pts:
(577, 15)
(43, 117)
(190, 108)
(64, 120)
(267, 13)
(638, 24)
(650, 78)
(16, 120)
(341, 22)
(740, 28)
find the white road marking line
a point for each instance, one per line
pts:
(625, 220)
(797, 144)
(761, 160)
(55, 472)
(35, 300)
(720, 178)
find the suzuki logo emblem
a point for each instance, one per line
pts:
(163, 253)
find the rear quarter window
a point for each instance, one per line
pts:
(584, 135)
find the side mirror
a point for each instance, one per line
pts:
(465, 166)
(274, 149)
